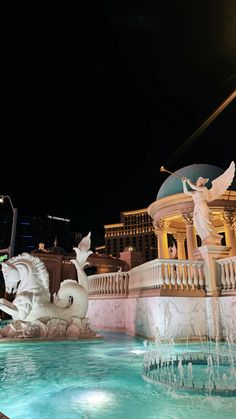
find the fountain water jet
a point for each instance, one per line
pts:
(208, 371)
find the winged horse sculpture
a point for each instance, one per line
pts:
(26, 277)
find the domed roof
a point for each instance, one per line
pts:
(172, 185)
(57, 250)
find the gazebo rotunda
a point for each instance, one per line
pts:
(172, 212)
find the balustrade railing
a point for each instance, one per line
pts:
(227, 267)
(109, 284)
(166, 274)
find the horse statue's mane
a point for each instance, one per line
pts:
(35, 263)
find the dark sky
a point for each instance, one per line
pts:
(97, 97)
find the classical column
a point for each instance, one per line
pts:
(191, 236)
(228, 220)
(162, 243)
(180, 238)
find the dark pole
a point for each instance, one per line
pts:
(13, 233)
(11, 249)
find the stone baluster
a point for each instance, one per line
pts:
(223, 280)
(160, 274)
(227, 276)
(195, 276)
(101, 285)
(184, 278)
(189, 275)
(172, 274)
(94, 286)
(123, 287)
(167, 279)
(191, 236)
(234, 269)
(105, 285)
(118, 283)
(114, 283)
(126, 283)
(232, 276)
(200, 276)
(111, 283)
(178, 278)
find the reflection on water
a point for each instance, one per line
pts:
(93, 379)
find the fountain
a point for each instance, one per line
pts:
(209, 371)
(34, 316)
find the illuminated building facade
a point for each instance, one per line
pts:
(31, 230)
(135, 229)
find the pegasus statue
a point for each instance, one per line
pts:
(26, 277)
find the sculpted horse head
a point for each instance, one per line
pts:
(26, 277)
(25, 273)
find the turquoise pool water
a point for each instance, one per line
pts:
(93, 379)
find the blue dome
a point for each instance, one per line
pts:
(173, 185)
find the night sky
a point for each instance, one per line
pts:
(98, 97)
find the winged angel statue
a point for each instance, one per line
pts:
(201, 196)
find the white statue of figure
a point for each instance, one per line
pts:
(201, 196)
(27, 277)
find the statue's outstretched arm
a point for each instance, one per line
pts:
(194, 186)
(186, 191)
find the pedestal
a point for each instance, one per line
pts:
(209, 253)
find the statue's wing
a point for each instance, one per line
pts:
(221, 183)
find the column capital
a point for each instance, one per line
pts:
(161, 225)
(179, 236)
(228, 216)
(188, 218)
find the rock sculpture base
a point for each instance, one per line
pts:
(74, 328)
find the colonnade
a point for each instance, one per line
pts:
(162, 228)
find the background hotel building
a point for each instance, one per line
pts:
(135, 230)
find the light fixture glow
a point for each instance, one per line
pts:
(137, 351)
(93, 399)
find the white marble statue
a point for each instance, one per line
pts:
(201, 196)
(27, 277)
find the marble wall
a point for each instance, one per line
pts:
(175, 317)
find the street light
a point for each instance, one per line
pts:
(13, 228)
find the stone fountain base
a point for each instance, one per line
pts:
(74, 328)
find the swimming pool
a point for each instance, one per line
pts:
(93, 379)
